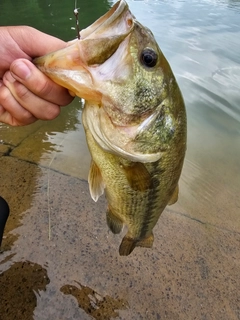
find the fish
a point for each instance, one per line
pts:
(134, 119)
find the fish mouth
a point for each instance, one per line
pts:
(69, 67)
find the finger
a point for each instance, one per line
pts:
(11, 112)
(32, 78)
(38, 107)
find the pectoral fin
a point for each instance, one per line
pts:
(174, 197)
(96, 184)
(128, 244)
(137, 175)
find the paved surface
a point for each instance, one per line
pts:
(60, 262)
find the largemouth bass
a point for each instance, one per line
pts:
(134, 119)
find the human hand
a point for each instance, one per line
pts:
(26, 94)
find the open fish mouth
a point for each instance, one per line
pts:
(69, 67)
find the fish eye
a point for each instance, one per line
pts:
(149, 57)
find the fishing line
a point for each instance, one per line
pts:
(48, 189)
(75, 11)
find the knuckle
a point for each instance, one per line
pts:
(26, 116)
(52, 112)
(44, 88)
(5, 95)
(9, 110)
(18, 90)
(21, 92)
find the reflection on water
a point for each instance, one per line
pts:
(195, 261)
(93, 303)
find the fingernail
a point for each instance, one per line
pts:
(21, 70)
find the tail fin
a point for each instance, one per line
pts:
(128, 244)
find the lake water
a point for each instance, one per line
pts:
(201, 41)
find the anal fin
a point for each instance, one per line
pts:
(128, 244)
(114, 223)
(96, 184)
(174, 197)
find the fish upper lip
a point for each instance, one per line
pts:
(107, 21)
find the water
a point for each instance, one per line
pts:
(193, 269)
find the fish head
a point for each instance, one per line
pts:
(120, 71)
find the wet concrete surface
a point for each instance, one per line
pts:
(60, 261)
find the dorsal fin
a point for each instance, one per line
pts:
(96, 184)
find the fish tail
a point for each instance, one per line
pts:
(128, 244)
(114, 224)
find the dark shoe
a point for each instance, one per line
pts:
(4, 213)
